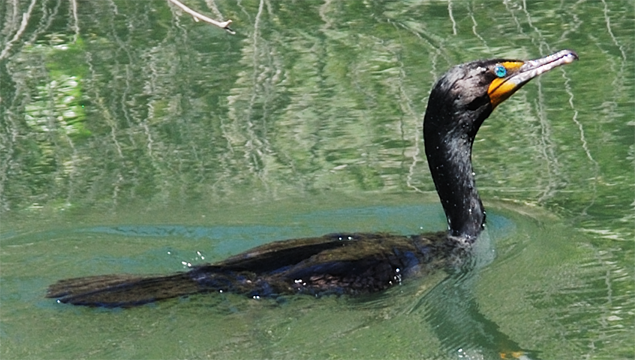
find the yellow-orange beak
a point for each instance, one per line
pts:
(520, 72)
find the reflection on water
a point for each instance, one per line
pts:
(220, 143)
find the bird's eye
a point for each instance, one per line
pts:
(500, 70)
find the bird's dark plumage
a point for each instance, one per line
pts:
(354, 263)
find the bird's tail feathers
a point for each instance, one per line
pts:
(122, 290)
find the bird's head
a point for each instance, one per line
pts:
(459, 103)
(466, 95)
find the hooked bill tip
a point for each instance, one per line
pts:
(570, 57)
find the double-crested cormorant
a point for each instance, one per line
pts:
(355, 263)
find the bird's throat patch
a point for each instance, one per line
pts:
(500, 90)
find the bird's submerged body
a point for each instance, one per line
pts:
(332, 264)
(355, 263)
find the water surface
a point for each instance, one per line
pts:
(133, 139)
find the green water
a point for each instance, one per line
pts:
(133, 139)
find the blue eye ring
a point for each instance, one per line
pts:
(500, 70)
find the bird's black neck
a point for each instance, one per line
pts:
(448, 145)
